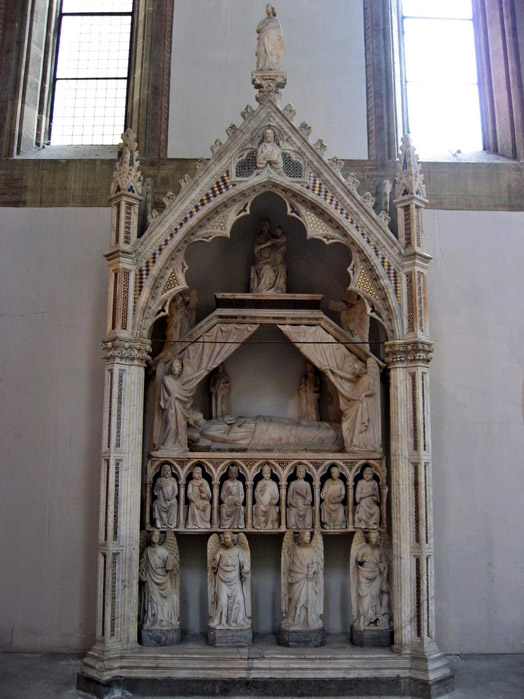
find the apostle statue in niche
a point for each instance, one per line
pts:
(269, 153)
(199, 496)
(308, 395)
(265, 510)
(370, 591)
(302, 580)
(229, 592)
(165, 506)
(333, 493)
(220, 388)
(159, 573)
(232, 498)
(299, 499)
(367, 511)
(175, 401)
(359, 404)
(268, 274)
(270, 42)
(182, 315)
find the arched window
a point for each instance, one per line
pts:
(91, 73)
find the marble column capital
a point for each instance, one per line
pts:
(133, 351)
(405, 352)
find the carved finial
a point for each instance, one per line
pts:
(305, 129)
(216, 146)
(247, 112)
(231, 129)
(320, 146)
(127, 177)
(384, 217)
(169, 198)
(289, 112)
(201, 162)
(368, 200)
(336, 163)
(352, 181)
(269, 77)
(151, 217)
(410, 180)
(184, 181)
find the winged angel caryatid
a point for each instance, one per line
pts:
(370, 591)
(159, 573)
(229, 574)
(302, 580)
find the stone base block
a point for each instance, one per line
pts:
(230, 637)
(371, 638)
(159, 637)
(308, 638)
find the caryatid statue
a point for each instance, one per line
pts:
(302, 582)
(270, 42)
(165, 506)
(370, 591)
(265, 510)
(299, 499)
(229, 573)
(159, 574)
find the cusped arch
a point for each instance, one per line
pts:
(372, 256)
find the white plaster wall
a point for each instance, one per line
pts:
(53, 286)
(476, 288)
(214, 45)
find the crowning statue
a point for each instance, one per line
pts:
(302, 587)
(159, 573)
(370, 590)
(220, 388)
(199, 496)
(308, 395)
(367, 511)
(265, 510)
(229, 592)
(270, 42)
(165, 506)
(299, 499)
(268, 274)
(232, 497)
(333, 493)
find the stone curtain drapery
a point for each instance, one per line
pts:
(358, 391)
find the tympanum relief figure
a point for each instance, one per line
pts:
(270, 42)
(165, 505)
(265, 510)
(299, 499)
(370, 591)
(229, 571)
(302, 580)
(308, 395)
(367, 511)
(268, 274)
(332, 512)
(269, 153)
(159, 574)
(232, 498)
(199, 496)
(220, 388)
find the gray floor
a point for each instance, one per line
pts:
(30, 676)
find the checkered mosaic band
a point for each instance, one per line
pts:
(221, 185)
(316, 186)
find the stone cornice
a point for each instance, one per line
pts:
(135, 351)
(403, 352)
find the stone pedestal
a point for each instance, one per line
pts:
(371, 638)
(159, 637)
(230, 637)
(306, 638)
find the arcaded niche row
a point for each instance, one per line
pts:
(229, 589)
(265, 495)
